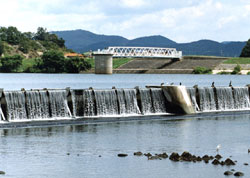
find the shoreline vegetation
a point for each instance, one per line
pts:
(44, 52)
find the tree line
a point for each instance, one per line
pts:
(52, 59)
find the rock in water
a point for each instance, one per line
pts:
(215, 162)
(228, 173)
(218, 156)
(238, 174)
(122, 155)
(138, 153)
(174, 157)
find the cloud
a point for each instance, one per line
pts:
(182, 20)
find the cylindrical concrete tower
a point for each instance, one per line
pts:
(103, 63)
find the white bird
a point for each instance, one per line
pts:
(218, 148)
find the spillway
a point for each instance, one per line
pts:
(80, 103)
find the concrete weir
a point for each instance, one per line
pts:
(51, 104)
(178, 99)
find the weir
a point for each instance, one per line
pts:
(80, 103)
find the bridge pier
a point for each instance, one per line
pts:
(103, 63)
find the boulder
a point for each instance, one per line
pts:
(163, 155)
(215, 162)
(228, 173)
(229, 162)
(186, 156)
(238, 174)
(122, 155)
(218, 156)
(138, 153)
(147, 154)
(205, 158)
(2, 172)
(174, 157)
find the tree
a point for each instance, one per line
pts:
(246, 50)
(11, 63)
(76, 65)
(13, 35)
(52, 61)
(1, 48)
(41, 34)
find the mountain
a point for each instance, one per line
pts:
(83, 41)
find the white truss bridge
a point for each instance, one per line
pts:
(142, 52)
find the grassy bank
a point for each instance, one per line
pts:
(117, 62)
(237, 60)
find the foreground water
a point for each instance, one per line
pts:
(75, 150)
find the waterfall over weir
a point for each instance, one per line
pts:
(82, 103)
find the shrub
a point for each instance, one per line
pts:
(11, 63)
(237, 69)
(246, 50)
(224, 73)
(202, 70)
(248, 73)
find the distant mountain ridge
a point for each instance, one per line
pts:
(83, 41)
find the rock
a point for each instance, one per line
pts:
(206, 158)
(232, 170)
(216, 162)
(238, 174)
(222, 163)
(2, 172)
(186, 156)
(148, 154)
(246, 164)
(154, 157)
(100, 156)
(68, 153)
(206, 161)
(174, 157)
(122, 155)
(228, 173)
(211, 157)
(198, 158)
(218, 156)
(163, 155)
(229, 162)
(138, 153)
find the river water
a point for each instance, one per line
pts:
(90, 150)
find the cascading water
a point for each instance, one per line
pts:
(58, 103)
(89, 103)
(225, 98)
(106, 102)
(15, 105)
(131, 101)
(37, 105)
(192, 94)
(77, 102)
(241, 98)
(207, 99)
(158, 100)
(146, 101)
(121, 101)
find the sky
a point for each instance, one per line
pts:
(178, 20)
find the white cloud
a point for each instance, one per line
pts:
(183, 20)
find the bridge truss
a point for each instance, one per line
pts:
(143, 52)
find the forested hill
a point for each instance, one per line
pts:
(83, 41)
(28, 44)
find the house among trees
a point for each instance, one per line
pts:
(72, 55)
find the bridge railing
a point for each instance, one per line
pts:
(144, 52)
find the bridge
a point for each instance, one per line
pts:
(142, 52)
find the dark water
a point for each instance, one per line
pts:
(43, 151)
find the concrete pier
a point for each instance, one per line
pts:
(103, 63)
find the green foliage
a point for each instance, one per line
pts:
(246, 50)
(237, 69)
(248, 73)
(52, 61)
(1, 48)
(202, 70)
(117, 62)
(224, 73)
(11, 35)
(76, 65)
(11, 63)
(238, 60)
